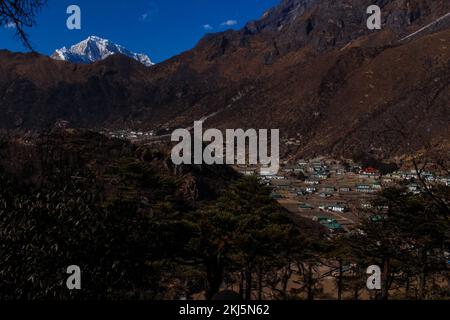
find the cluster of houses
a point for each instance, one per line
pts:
(310, 181)
(412, 175)
(328, 191)
(129, 134)
(318, 171)
(331, 224)
(338, 207)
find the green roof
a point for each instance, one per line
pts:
(377, 218)
(329, 223)
(334, 226)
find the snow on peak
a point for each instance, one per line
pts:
(94, 49)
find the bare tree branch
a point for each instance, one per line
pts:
(20, 14)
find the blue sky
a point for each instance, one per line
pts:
(159, 28)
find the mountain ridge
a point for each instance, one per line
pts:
(95, 49)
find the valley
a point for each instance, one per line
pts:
(130, 171)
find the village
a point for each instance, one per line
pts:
(128, 134)
(335, 193)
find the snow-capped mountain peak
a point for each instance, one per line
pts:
(94, 49)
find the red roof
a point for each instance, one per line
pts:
(370, 170)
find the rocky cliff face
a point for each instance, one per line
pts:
(308, 67)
